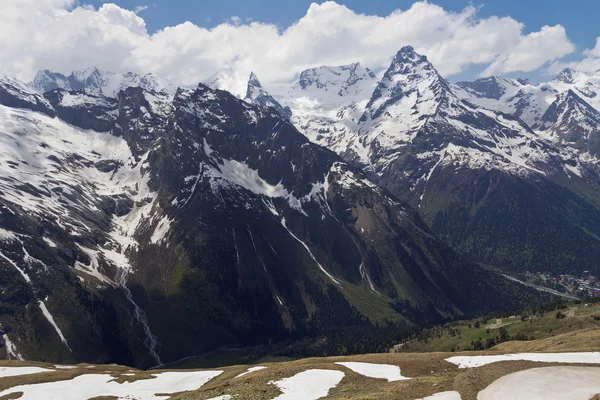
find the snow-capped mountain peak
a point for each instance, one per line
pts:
(92, 76)
(407, 59)
(566, 76)
(98, 82)
(230, 80)
(253, 81)
(256, 94)
(518, 97)
(343, 80)
(583, 83)
(411, 85)
(254, 88)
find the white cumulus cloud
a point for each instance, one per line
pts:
(589, 63)
(533, 51)
(61, 35)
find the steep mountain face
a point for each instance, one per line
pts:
(16, 94)
(327, 103)
(573, 122)
(96, 82)
(86, 111)
(517, 97)
(564, 112)
(184, 224)
(583, 84)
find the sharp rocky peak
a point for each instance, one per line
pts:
(524, 81)
(409, 74)
(574, 122)
(257, 95)
(253, 81)
(407, 59)
(569, 105)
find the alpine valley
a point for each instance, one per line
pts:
(142, 223)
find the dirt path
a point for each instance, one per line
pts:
(498, 324)
(590, 311)
(495, 325)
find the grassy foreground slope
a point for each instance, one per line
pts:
(429, 373)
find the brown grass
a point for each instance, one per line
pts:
(430, 373)
(12, 396)
(583, 340)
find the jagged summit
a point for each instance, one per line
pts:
(256, 94)
(408, 55)
(413, 78)
(253, 81)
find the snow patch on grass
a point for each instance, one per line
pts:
(550, 383)
(90, 386)
(378, 371)
(443, 396)
(251, 370)
(20, 371)
(567, 358)
(308, 385)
